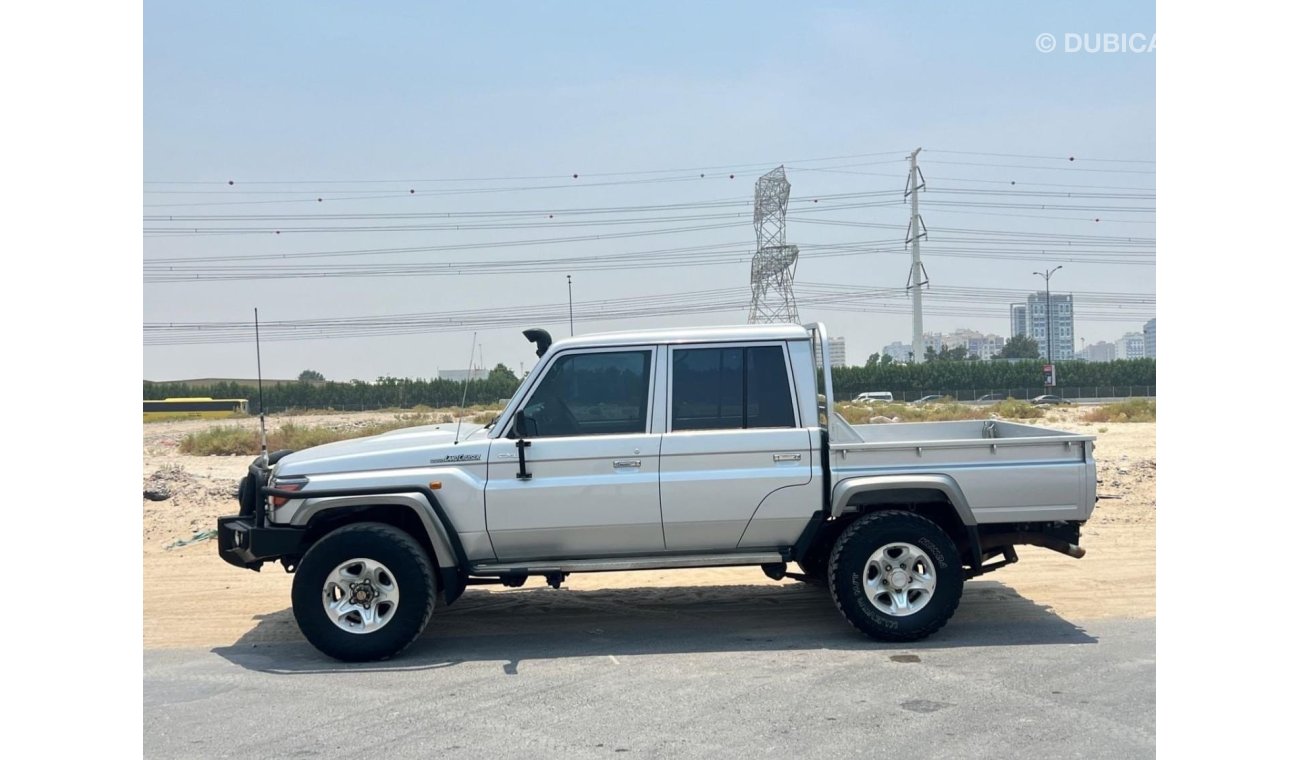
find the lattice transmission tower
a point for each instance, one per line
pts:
(771, 275)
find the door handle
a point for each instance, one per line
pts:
(786, 457)
(627, 462)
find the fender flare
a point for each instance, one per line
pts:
(449, 553)
(413, 501)
(845, 490)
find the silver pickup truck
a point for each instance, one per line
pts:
(651, 450)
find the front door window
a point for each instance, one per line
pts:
(605, 393)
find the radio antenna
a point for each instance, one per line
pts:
(468, 374)
(261, 400)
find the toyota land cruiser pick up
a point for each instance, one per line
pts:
(648, 450)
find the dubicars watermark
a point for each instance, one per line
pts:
(1096, 42)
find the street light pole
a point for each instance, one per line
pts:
(570, 280)
(1048, 279)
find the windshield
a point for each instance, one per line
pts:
(500, 424)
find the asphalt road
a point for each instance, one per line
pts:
(740, 671)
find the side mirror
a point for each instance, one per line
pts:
(524, 427)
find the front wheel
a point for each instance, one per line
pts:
(363, 592)
(896, 576)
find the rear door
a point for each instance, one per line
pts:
(593, 461)
(734, 439)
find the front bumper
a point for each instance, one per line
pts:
(241, 543)
(247, 539)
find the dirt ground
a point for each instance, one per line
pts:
(194, 599)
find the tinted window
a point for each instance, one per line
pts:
(708, 389)
(767, 389)
(731, 388)
(591, 394)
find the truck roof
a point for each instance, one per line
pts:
(724, 333)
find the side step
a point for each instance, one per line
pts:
(614, 564)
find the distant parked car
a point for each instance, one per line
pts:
(1048, 400)
(993, 397)
(874, 396)
(927, 399)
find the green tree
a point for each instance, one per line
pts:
(502, 373)
(310, 374)
(1020, 347)
(945, 354)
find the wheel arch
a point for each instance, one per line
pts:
(936, 497)
(411, 513)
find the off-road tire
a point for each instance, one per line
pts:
(411, 569)
(246, 506)
(847, 570)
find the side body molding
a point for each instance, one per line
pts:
(845, 490)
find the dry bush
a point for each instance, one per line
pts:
(486, 417)
(857, 414)
(1133, 410)
(226, 440)
(221, 440)
(1016, 409)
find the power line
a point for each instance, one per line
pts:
(686, 256)
(1052, 158)
(449, 247)
(829, 296)
(759, 164)
(547, 221)
(536, 211)
(1045, 168)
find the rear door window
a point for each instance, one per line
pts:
(731, 388)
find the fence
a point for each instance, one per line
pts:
(299, 411)
(1071, 392)
(1068, 392)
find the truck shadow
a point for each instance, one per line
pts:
(510, 627)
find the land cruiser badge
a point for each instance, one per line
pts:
(457, 458)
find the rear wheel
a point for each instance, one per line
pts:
(363, 592)
(896, 576)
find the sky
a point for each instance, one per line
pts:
(477, 116)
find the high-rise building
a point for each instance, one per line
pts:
(898, 351)
(1036, 317)
(461, 375)
(986, 346)
(1018, 317)
(1149, 338)
(932, 340)
(1132, 345)
(1099, 352)
(837, 352)
(978, 345)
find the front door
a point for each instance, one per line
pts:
(593, 462)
